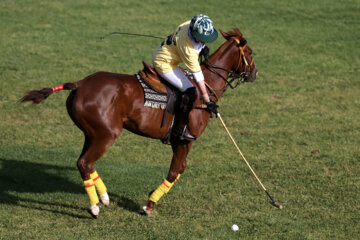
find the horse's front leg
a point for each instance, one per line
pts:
(177, 167)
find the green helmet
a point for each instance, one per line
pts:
(202, 28)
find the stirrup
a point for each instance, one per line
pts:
(185, 134)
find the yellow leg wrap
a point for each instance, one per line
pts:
(99, 184)
(91, 191)
(177, 178)
(162, 189)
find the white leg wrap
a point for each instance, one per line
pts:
(104, 198)
(94, 210)
(148, 212)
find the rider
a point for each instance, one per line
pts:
(185, 45)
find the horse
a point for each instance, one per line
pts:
(104, 103)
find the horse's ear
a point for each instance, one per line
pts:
(237, 32)
(224, 34)
(240, 36)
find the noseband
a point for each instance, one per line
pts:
(234, 79)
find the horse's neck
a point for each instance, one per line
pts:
(222, 58)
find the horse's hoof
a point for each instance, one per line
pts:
(149, 208)
(94, 211)
(149, 211)
(104, 198)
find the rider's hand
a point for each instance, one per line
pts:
(212, 107)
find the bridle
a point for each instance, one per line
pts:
(234, 79)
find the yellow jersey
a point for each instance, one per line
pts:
(178, 47)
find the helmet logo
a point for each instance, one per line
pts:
(202, 28)
(202, 24)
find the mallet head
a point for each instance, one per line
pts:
(276, 204)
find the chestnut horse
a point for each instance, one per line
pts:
(104, 103)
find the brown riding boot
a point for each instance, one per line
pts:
(182, 116)
(180, 127)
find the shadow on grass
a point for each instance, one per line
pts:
(28, 177)
(126, 203)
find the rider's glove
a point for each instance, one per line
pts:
(212, 107)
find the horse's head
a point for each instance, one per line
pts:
(243, 62)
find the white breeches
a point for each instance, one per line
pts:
(178, 79)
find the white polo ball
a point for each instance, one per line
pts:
(235, 227)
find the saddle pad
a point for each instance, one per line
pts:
(153, 99)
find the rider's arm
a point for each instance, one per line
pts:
(200, 80)
(190, 57)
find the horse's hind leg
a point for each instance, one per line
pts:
(94, 148)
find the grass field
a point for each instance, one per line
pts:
(301, 116)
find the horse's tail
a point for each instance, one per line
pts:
(37, 96)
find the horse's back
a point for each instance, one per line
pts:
(105, 82)
(103, 88)
(115, 100)
(102, 99)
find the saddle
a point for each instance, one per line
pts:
(149, 75)
(152, 79)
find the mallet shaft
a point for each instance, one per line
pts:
(272, 202)
(241, 154)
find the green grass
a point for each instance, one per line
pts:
(301, 115)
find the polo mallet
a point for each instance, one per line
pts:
(272, 201)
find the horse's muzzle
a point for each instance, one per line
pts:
(252, 76)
